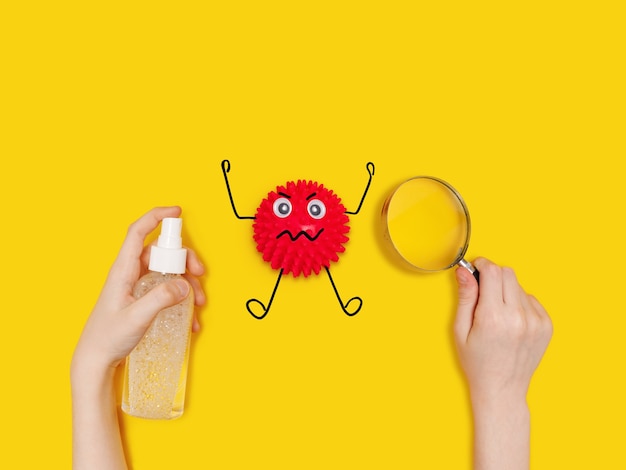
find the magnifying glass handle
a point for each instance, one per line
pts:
(471, 268)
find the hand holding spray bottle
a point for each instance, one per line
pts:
(156, 370)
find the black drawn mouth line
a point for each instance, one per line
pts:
(300, 234)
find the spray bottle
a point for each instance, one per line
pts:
(156, 370)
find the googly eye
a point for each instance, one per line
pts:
(316, 209)
(282, 207)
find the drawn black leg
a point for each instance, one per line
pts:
(258, 302)
(345, 307)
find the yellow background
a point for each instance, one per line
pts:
(111, 108)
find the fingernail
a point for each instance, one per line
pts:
(183, 287)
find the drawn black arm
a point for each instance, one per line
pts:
(370, 171)
(225, 170)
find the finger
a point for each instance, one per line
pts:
(198, 291)
(512, 292)
(546, 321)
(538, 309)
(145, 255)
(133, 246)
(194, 268)
(195, 326)
(141, 228)
(467, 300)
(194, 265)
(490, 284)
(143, 311)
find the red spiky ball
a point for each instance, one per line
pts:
(301, 227)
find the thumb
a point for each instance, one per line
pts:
(160, 297)
(467, 300)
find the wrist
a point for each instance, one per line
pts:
(501, 431)
(90, 376)
(497, 395)
(500, 409)
(95, 424)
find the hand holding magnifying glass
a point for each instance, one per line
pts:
(428, 225)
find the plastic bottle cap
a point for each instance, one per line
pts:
(168, 255)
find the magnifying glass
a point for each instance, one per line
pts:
(428, 225)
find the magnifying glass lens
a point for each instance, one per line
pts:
(428, 223)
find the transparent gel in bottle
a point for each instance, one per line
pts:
(156, 370)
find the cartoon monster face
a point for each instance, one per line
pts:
(301, 227)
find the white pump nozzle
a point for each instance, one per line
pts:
(168, 256)
(170, 233)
